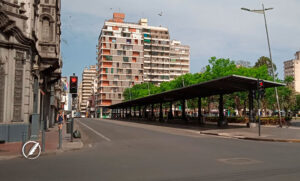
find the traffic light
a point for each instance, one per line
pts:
(261, 88)
(73, 84)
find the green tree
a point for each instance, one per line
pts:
(296, 108)
(266, 61)
(215, 69)
(287, 95)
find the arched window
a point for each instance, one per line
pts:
(46, 29)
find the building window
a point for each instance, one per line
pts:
(18, 92)
(46, 29)
(125, 59)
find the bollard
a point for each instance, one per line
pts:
(43, 135)
(60, 138)
(72, 125)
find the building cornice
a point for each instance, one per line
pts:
(9, 28)
(10, 4)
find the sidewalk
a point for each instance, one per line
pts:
(13, 150)
(268, 133)
(238, 131)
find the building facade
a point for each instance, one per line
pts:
(292, 68)
(30, 62)
(79, 97)
(87, 87)
(179, 59)
(133, 53)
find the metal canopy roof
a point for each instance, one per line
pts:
(224, 85)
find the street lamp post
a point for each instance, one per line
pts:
(263, 11)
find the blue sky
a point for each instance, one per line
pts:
(211, 28)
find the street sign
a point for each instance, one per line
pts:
(31, 150)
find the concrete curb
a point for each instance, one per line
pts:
(227, 135)
(10, 157)
(54, 152)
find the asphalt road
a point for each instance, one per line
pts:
(140, 153)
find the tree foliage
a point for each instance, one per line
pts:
(266, 61)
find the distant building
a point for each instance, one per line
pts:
(133, 53)
(79, 97)
(87, 89)
(292, 68)
(179, 59)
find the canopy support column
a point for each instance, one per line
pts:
(134, 111)
(145, 111)
(160, 112)
(170, 115)
(152, 112)
(140, 112)
(200, 117)
(122, 116)
(221, 121)
(251, 108)
(183, 111)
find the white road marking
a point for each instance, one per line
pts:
(96, 132)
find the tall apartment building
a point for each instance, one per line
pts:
(133, 53)
(179, 59)
(292, 68)
(79, 96)
(88, 77)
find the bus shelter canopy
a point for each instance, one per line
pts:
(224, 85)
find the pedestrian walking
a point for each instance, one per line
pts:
(60, 119)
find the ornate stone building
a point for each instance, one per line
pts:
(30, 62)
